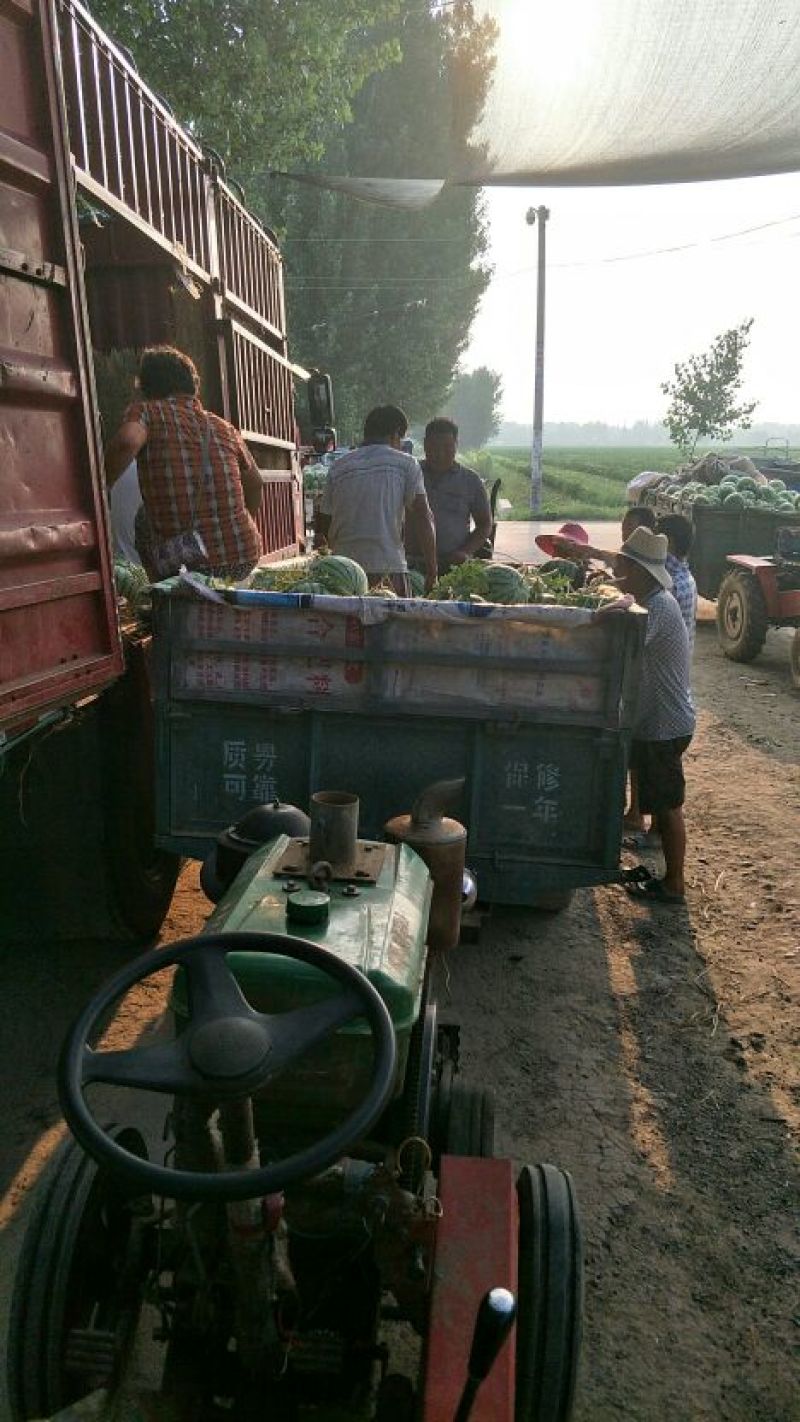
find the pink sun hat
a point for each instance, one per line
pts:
(547, 541)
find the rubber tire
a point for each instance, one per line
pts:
(794, 659)
(141, 878)
(741, 602)
(470, 1126)
(45, 1283)
(549, 1295)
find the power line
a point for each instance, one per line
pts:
(663, 251)
(385, 283)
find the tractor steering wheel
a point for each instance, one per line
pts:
(227, 1050)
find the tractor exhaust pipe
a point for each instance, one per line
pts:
(333, 835)
(442, 843)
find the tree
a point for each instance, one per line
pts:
(475, 406)
(384, 299)
(705, 398)
(262, 81)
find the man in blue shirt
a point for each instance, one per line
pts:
(679, 533)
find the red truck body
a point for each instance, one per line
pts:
(170, 254)
(116, 231)
(58, 622)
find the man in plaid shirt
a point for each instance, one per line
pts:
(195, 470)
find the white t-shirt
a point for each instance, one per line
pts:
(125, 500)
(366, 496)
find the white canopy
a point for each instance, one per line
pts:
(602, 92)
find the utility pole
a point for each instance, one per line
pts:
(541, 215)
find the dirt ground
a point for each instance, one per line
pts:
(652, 1052)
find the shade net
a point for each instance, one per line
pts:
(602, 92)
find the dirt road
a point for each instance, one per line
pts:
(652, 1052)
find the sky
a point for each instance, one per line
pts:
(614, 329)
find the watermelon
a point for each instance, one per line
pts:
(746, 485)
(309, 585)
(504, 584)
(734, 501)
(339, 575)
(778, 485)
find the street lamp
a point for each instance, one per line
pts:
(531, 216)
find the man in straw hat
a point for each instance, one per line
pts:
(665, 718)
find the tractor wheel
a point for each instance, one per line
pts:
(742, 619)
(470, 1126)
(550, 1295)
(77, 1291)
(794, 659)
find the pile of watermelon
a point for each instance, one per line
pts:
(733, 492)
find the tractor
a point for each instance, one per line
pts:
(757, 593)
(323, 1230)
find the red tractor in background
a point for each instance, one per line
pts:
(758, 593)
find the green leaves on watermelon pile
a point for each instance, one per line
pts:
(331, 573)
(482, 581)
(474, 581)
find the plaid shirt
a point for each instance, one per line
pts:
(178, 496)
(684, 591)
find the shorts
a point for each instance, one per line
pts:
(659, 768)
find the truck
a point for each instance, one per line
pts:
(117, 230)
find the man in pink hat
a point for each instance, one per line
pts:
(552, 543)
(566, 546)
(665, 716)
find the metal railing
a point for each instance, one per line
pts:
(262, 399)
(251, 269)
(279, 519)
(131, 155)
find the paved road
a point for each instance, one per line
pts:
(516, 539)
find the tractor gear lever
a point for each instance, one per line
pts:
(496, 1314)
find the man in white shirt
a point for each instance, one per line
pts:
(665, 715)
(369, 494)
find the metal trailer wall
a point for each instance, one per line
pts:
(281, 699)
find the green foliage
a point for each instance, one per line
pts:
(384, 299)
(581, 483)
(262, 82)
(477, 581)
(474, 404)
(705, 392)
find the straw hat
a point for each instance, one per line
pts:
(547, 541)
(649, 550)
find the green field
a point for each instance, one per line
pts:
(577, 483)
